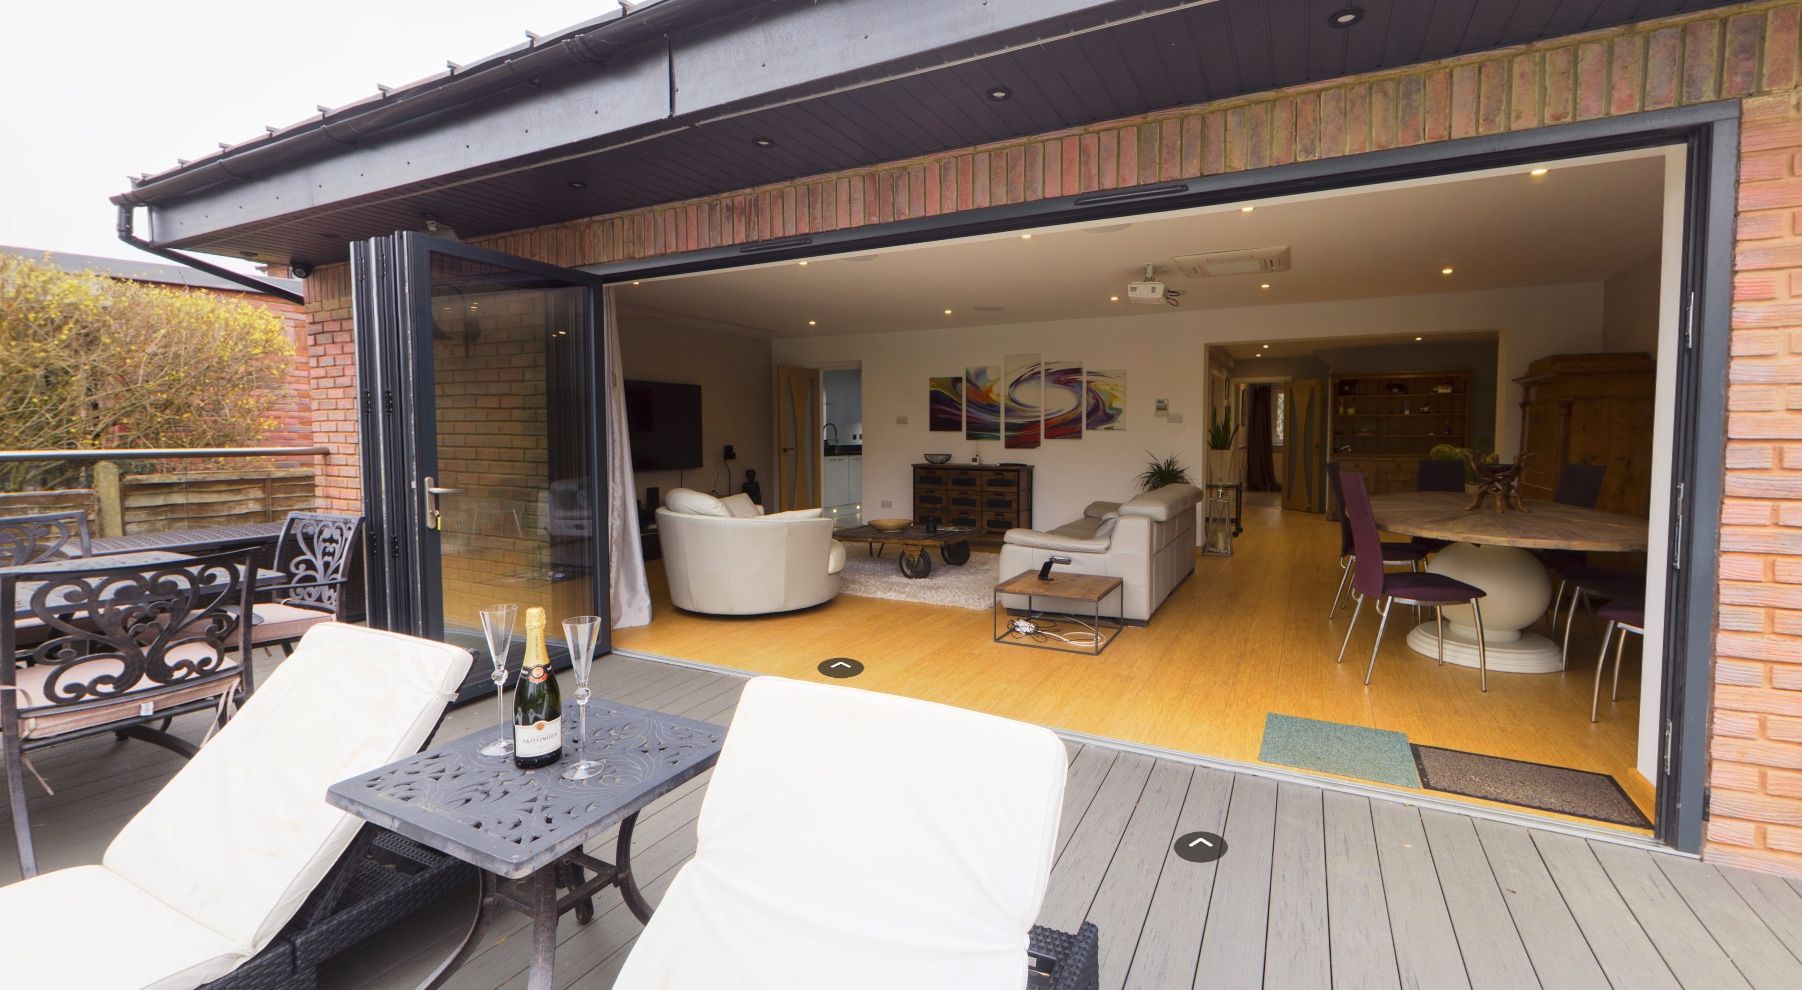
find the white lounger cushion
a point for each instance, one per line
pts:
(85, 927)
(216, 864)
(241, 836)
(853, 839)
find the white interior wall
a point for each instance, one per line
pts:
(1658, 551)
(1165, 356)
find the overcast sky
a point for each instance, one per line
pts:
(95, 90)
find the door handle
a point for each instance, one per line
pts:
(434, 519)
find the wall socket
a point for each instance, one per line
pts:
(900, 420)
(731, 454)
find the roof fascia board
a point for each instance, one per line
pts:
(706, 72)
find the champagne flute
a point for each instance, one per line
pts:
(579, 634)
(497, 626)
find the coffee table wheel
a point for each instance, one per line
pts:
(956, 554)
(915, 563)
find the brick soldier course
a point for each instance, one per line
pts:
(1749, 53)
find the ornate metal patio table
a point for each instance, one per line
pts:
(525, 829)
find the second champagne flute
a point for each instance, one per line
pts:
(580, 633)
(497, 626)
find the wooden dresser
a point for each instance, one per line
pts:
(992, 497)
(1590, 409)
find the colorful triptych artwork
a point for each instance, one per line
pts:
(1105, 400)
(1022, 402)
(1063, 400)
(982, 403)
(1027, 400)
(945, 413)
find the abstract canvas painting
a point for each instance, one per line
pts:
(1063, 400)
(982, 403)
(1105, 403)
(1023, 401)
(945, 405)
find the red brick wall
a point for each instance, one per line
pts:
(293, 414)
(1749, 51)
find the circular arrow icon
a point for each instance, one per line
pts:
(841, 667)
(1200, 847)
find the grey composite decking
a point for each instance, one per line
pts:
(1319, 888)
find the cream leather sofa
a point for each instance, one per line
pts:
(725, 557)
(1148, 542)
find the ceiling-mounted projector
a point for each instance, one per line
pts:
(1150, 291)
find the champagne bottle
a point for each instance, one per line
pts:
(537, 703)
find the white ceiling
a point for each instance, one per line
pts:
(1304, 348)
(1580, 222)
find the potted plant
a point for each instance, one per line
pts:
(1163, 471)
(1221, 433)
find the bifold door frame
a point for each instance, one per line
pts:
(1709, 134)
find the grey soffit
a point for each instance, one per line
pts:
(664, 110)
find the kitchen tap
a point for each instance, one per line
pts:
(833, 440)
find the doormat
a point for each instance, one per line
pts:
(1337, 748)
(1579, 793)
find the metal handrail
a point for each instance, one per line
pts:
(156, 453)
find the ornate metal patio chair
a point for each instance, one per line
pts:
(238, 872)
(43, 536)
(117, 648)
(319, 552)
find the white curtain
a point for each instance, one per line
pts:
(627, 591)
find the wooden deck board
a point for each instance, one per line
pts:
(1561, 957)
(1319, 888)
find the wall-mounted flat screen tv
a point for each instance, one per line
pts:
(664, 420)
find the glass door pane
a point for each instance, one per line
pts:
(511, 451)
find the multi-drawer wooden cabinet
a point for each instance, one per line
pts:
(994, 498)
(1590, 409)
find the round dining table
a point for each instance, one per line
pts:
(1489, 549)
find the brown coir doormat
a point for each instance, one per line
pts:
(1578, 793)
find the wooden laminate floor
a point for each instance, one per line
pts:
(1319, 888)
(1243, 637)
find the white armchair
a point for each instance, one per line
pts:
(725, 557)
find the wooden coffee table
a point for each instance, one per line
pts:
(953, 545)
(1048, 630)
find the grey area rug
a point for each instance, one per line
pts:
(969, 586)
(1580, 793)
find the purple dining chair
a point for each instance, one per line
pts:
(1579, 485)
(1418, 588)
(1625, 615)
(1394, 554)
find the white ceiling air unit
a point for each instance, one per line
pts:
(1251, 261)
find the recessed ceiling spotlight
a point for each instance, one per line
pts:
(1539, 171)
(1267, 347)
(998, 93)
(1026, 237)
(577, 184)
(634, 283)
(1345, 17)
(803, 264)
(1113, 298)
(813, 323)
(1445, 271)
(1246, 209)
(1266, 285)
(947, 312)
(763, 142)
(1419, 338)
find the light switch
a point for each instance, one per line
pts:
(900, 420)
(888, 503)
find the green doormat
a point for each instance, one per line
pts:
(1337, 748)
(1580, 793)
